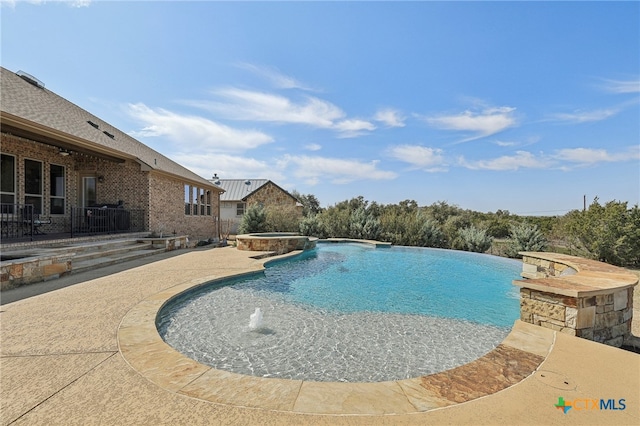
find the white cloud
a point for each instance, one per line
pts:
(505, 143)
(335, 170)
(390, 117)
(521, 159)
(585, 116)
(274, 76)
(192, 132)
(313, 147)
(248, 105)
(428, 159)
(622, 86)
(353, 128)
(229, 166)
(487, 122)
(260, 106)
(588, 156)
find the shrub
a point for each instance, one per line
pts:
(474, 239)
(253, 220)
(525, 237)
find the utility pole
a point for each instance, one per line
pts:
(584, 203)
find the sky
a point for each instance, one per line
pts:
(521, 106)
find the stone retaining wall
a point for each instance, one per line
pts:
(29, 270)
(577, 296)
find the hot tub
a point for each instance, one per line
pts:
(278, 242)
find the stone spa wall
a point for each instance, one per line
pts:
(276, 242)
(577, 296)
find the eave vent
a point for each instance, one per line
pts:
(30, 79)
(94, 125)
(109, 134)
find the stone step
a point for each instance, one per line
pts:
(111, 259)
(110, 250)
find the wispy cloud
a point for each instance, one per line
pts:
(589, 156)
(486, 122)
(193, 132)
(390, 117)
(621, 86)
(563, 159)
(229, 166)
(419, 157)
(275, 77)
(353, 128)
(584, 116)
(313, 147)
(313, 170)
(71, 3)
(249, 105)
(521, 159)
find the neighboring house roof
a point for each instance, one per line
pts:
(31, 111)
(241, 189)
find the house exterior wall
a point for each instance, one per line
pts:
(22, 149)
(267, 195)
(167, 210)
(162, 198)
(229, 219)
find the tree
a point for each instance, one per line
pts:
(253, 220)
(310, 204)
(607, 233)
(525, 237)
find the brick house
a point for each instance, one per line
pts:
(241, 194)
(82, 175)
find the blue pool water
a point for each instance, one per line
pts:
(349, 312)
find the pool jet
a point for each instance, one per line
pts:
(255, 320)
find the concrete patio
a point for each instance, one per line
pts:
(61, 363)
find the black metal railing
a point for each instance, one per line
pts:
(106, 220)
(17, 220)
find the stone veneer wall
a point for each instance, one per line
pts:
(25, 271)
(589, 299)
(280, 245)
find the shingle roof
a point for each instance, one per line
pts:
(23, 101)
(237, 189)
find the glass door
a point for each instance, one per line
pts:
(88, 191)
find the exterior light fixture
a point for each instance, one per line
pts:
(64, 152)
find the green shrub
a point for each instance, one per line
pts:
(525, 237)
(474, 239)
(253, 220)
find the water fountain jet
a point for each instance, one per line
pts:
(255, 320)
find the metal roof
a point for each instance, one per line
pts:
(34, 110)
(237, 189)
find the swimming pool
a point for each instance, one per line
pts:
(348, 312)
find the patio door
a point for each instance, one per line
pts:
(88, 191)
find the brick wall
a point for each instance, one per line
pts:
(167, 212)
(160, 196)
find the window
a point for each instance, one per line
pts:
(187, 200)
(33, 184)
(8, 179)
(195, 201)
(240, 207)
(208, 202)
(56, 189)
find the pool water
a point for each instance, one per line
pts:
(348, 312)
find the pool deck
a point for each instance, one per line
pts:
(85, 355)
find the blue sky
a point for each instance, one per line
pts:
(519, 106)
